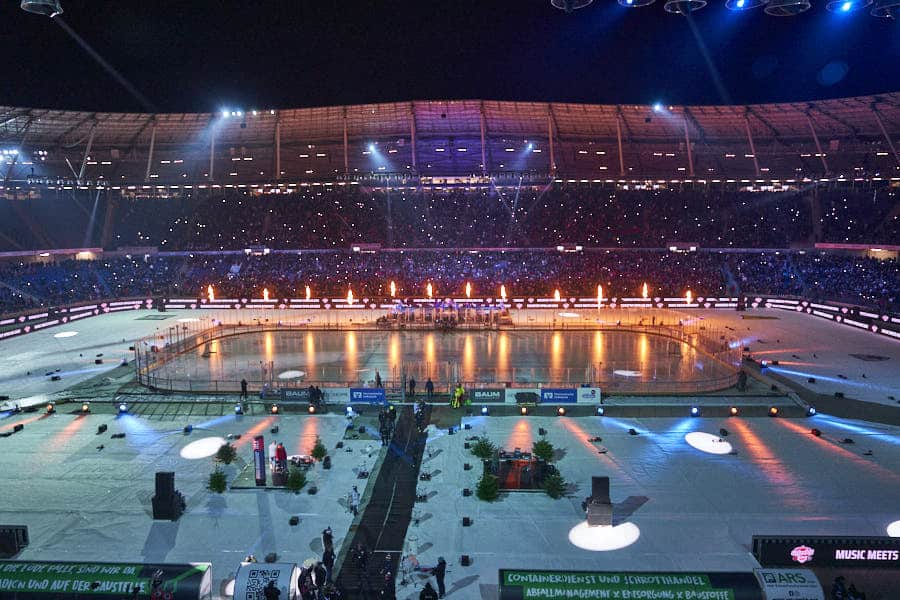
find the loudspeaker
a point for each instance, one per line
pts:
(55, 378)
(294, 520)
(723, 432)
(816, 432)
(98, 361)
(467, 467)
(467, 492)
(465, 560)
(839, 394)
(542, 431)
(165, 484)
(101, 429)
(466, 521)
(17, 428)
(168, 508)
(811, 380)
(326, 462)
(467, 446)
(12, 539)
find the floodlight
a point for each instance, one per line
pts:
(569, 5)
(636, 3)
(683, 7)
(123, 408)
(886, 9)
(739, 5)
(845, 6)
(48, 8)
(787, 8)
(695, 411)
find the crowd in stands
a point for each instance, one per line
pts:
(311, 231)
(335, 217)
(852, 279)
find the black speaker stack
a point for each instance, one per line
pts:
(168, 503)
(12, 539)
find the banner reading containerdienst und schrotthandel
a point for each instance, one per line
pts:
(540, 585)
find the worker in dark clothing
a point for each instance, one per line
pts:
(328, 563)
(428, 592)
(327, 539)
(385, 432)
(378, 379)
(429, 389)
(388, 589)
(412, 387)
(244, 389)
(270, 591)
(320, 575)
(439, 571)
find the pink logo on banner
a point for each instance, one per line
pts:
(802, 554)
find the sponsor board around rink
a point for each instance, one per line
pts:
(559, 395)
(491, 395)
(368, 395)
(588, 395)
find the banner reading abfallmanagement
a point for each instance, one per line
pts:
(516, 585)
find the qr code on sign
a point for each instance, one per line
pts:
(258, 580)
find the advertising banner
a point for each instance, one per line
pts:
(588, 395)
(789, 584)
(368, 395)
(846, 552)
(259, 460)
(336, 395)
(295, 394)
(559, 395)
(252, 579)
(54, 580)
(523, 395)
(485, 395)
(518, 585)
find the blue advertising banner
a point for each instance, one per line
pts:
(559, 396)
(368, 395)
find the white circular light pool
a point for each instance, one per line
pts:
(203, 448)
(569, 315)
(65, 334)
(604, 538)
(291, 374)
(706, 442)
(893, 529)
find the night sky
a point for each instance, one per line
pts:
(196, 55)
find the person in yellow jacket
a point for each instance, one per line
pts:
(458, 394)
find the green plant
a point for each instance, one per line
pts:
(488, 489)
(226, 454)
(543, 450)
(483, 448)
(296, 480)
(217, 481)
(319, 451)
(554, 485)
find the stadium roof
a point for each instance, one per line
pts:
(439, 126)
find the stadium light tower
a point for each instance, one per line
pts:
(48, 8)
(570, 5)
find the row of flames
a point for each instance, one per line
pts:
(429, 291)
